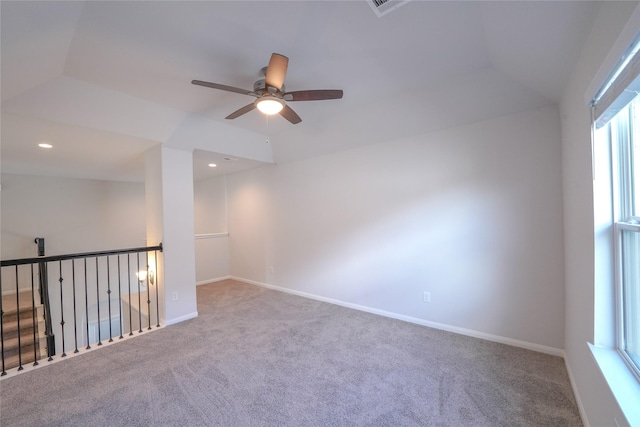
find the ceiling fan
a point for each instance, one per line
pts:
(270, 94)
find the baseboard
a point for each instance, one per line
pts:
(574, 387)
(216, 279)
(462, 331)
(21, 290)
(181, 318)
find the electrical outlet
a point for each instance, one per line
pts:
(174, 296)
(427, 297)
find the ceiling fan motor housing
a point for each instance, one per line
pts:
(260, 87)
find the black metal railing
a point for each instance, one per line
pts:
(96, 291)
(43, 289)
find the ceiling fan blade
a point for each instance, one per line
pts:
(312, 95)
(223, 87)
(290, 115)
(241, 111)
(276, 70)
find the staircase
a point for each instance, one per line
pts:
(25, 347)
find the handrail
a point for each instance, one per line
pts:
(23, 261)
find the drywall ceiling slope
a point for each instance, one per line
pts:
(542, 63)
(71, 101)
(125, 68)
(34, 40)
(453, 101)
(79, 152)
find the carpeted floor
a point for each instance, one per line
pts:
(256, 357)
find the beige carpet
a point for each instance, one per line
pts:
(257, 357)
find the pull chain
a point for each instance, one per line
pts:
(267, 119)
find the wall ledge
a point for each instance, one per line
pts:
(211, 235)
(623, 384)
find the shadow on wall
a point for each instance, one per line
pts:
(452, 244)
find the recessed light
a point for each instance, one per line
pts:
(45, 145)
(212, 165)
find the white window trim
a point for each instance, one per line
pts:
(619, 375)
(619, 227)
(622, 206)
(623, 384)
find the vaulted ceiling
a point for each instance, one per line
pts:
(104, 81)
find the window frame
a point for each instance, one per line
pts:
(619, 228)
(621, 140)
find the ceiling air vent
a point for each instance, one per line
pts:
(382, 7)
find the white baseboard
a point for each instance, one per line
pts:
(216, 279)
(192, 315)
(21, 290)
(462, 331)
(574, 387)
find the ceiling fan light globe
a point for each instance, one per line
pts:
(269, 105)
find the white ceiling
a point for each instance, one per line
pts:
(104, 81)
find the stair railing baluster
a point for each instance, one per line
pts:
(148, 286)
(86, 303)
(64, 354)
(139, 302)
(155, 261)
(20, 368)
(75, 319)
(4, 371)
(109, 298)
(98, 301)
(120, 297)
(129, 279)
(36, 344)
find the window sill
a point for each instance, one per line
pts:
(623, 384)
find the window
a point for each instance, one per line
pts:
(616, 114)
(625, 140)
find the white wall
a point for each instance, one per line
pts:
(169, 204)
(210, 205)
(212, 241)
(472, 215)
(73, 215)
(597, 401)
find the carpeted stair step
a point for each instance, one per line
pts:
(11, 344)
(12, 360)
(10, 329)
(12, 314)
(10, 301)
(28, 349)
(18, 320)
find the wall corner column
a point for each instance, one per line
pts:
(170, 220)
